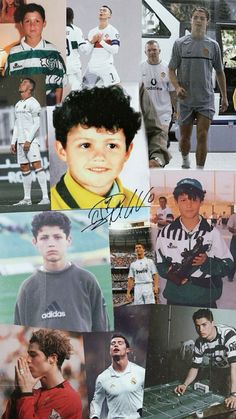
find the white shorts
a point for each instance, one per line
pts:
(105, 76)
(30, 156)
(143, 294)
(75, 80)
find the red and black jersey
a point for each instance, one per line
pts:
(60, 402)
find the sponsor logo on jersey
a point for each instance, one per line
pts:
(206, 52)
(171, 246)
(232, 346)
(141, 271)
(163, 74)
(54, 415)
(53, 314)
(51, 63)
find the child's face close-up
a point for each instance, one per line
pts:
(188, 207)
(95, 157)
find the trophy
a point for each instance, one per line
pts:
(179, 272)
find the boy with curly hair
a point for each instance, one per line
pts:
(94, 133)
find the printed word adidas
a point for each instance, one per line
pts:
(53, 314)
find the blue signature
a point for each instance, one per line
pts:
(99, 216)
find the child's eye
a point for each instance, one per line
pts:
(85, 145)
(112, 145)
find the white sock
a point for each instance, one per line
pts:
(186, 159)
(185, 162)
(27, 180)
(42, 180)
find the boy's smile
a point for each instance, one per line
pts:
(95, 157)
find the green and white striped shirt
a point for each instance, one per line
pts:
(42, 59)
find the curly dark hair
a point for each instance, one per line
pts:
(192, 192)
(50, 218)
(106, 107)
(51, 342)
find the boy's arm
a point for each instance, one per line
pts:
(219, 260)
(192, 375)
(155, 283)
(58, 94)
(163, 262)
(130, 286)
(97, 402)
(221, 80)
(100, 320)
(231, 400)
(113, 48)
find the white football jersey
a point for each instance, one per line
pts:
(75, 43)
(103, 51)
(142, 270)
(156, 80)
(27, 120)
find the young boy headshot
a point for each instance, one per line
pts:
(35, 55)
(192, 255)
(59, 294)
(94, 132)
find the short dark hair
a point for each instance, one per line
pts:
(52, 342)
(104, 5)
(201, 9)
(203, 312)
(30, 8)
(32, 82)
(139, 244)
(106, 107)
(151, 42)
(69, 15)
(192, 192)
(162, 197)
(50, 218)
(119, 335)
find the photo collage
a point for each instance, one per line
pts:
(118, 260)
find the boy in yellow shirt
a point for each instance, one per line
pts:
(94, 133)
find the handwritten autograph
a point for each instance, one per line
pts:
(99, 216)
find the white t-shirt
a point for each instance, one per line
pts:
(156, 80)
(27, 120)
(103, 51)
(162, 214)
(142, 271)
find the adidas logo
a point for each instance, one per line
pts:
(53, 311)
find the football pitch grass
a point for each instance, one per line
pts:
(13, 192)
(9, 286)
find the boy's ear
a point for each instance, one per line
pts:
(128, 151)
(61, 152)
(34, 241)
(44, 23)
